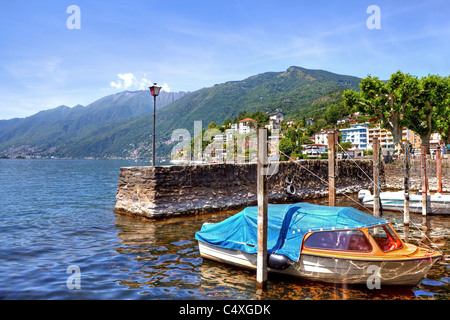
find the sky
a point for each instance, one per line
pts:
(61, 52)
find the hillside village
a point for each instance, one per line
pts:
(118, 125)
(293, 139)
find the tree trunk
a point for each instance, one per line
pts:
(447, 137)
(426, 141)
(397, 133)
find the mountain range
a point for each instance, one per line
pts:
(120, 125)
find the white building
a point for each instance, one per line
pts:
(245, 126)
(273, 125)
(220, 138)
(315, 149)
(384, 136)
(361, 136)
(273, 146)
(321, 137)
(277, 116)
(343, 120)
(435, 141)
(357, 134)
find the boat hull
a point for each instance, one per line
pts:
(408, 271)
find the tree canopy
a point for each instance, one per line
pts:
(426, 112)
(405, 101)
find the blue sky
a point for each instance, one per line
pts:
(188, 45)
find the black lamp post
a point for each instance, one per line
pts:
(154, 90)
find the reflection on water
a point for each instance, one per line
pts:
(164, 263)
(59, 213)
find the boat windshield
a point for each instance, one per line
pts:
(385, 238)
(346, 240)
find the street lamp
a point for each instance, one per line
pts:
(154, 90)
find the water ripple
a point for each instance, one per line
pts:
(59, 213)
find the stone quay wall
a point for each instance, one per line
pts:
(395, 177)
(166, 191)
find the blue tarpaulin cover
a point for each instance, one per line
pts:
(287, 225)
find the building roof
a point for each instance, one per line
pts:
(248, 119)
(322, 131)
(317, 144)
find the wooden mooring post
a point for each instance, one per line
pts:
(423, 162)
(262, 197)
(331, 169)
(376, 175)
(406, 173)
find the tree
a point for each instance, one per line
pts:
(388, 101)
(427, 111)
(335, 112)
(302, 122)
(227, 122)
(261, 117)
(212, 125)
(286, 146)
(292, 135)
(442, 118)
(346, 145)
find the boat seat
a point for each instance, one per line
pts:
(359, 243)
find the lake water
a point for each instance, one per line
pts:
(57, 218)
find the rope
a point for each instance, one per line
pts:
(354, 162)
(424, 234)
(326, 182)
(378, 173)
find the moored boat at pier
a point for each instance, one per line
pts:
(330, 244)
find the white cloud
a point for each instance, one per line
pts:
(129, 81)
(144, 84)
(126, 81)
(165, 87)
(117, 84)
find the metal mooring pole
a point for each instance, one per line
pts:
(331, 170)
(376, 168)
(262, 195)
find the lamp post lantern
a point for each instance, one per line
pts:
(154, 90)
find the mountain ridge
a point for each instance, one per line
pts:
(57, 126)
(108, 129)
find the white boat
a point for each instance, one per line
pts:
(329, 244)
(437, 203)
(198, 162)
(178, 162)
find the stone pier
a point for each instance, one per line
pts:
(394, 175)
(165, 191)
